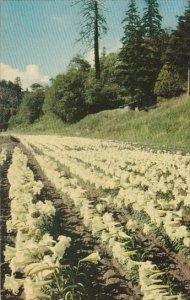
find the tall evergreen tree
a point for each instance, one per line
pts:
(93, 26)
(153, 34)
(152, 19)
(132, 57)
(178, 50)
(132, 23)
(140, 56)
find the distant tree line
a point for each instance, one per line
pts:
(152, 62)
(10, 98)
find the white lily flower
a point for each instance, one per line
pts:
(13, 284)
(93, 258)
(60, 247)
(9, 253)
(33, 290)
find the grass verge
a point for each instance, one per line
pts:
(166, 126)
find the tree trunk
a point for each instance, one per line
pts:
(96, 41)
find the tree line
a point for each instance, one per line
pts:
(152, 62)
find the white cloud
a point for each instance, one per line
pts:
(30, 75)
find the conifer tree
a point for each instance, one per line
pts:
(132, 57)
(153, 34)
(152, 19)
(132, 23)
(178, 51)
(93, 27)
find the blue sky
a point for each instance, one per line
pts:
(38, 36)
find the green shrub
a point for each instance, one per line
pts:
(169, 83)
(29, 110)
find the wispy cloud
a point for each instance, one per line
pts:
(30, 75)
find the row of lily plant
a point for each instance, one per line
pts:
(35, 255)
(112, 235)
(3, 156)
(165, 176)
(132, 192)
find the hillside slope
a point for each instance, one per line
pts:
(168, 125)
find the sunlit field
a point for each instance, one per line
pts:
(130, 205)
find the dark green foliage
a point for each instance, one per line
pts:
(108, 63)
(78, 63)
(67, 284)
(18, 81)
(140, 56)
(152, 19)
(10, 98)
(155, 42)
(30, 108)
(100, 97)
(66, 96)
(134, 75)
(132, 23)
(77, 93)
(132, 57)
(70, 104)
(169, 83)
(36, 86)
(178, 50)
(104, 93)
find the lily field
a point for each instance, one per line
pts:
(93, 219)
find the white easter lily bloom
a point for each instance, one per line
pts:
(105, 236)
(186, 242)
(12, 284)
(100, 207)
(9, 253)
(9, 225)
(97, 224)
(146, 228)
(33, 290)
(46, 208)
(181, 232)
(93, 258)
(132, 225)
(123, 235)
(60, 247)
